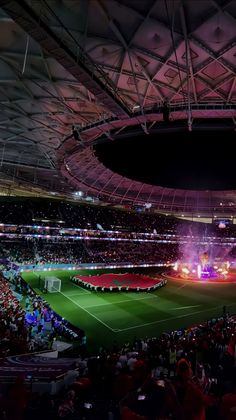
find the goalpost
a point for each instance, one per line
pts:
(52, 284)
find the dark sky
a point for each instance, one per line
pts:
(190, 160)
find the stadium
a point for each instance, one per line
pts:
(118, 209)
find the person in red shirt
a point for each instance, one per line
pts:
(66, 408)
(189, 396)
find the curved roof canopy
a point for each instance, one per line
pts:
(107, 67)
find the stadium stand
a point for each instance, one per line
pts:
(189, 367)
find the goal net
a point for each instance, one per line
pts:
(52, 284)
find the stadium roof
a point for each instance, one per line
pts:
(107, 67)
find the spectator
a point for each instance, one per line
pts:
(189, 396)
(66, 409)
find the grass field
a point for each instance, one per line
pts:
(121, 316)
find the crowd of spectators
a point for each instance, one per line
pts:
(60, 213)
(13, 331)
(40, 251)
(33, 211)
(188, 374)
(72, 251)
(27, 323)
(29, 213)
(133, 252)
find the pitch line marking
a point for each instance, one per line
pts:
(181, 287)
(172, 317)
(85, 290)
(185, 307)
(84, 309)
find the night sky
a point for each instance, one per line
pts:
(190, 160)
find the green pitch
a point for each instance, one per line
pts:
(119, 316)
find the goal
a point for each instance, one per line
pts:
(52, 284)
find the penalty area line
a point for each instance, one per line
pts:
(181, 287)
(87, 292)
(82, 288)
(85, 310)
